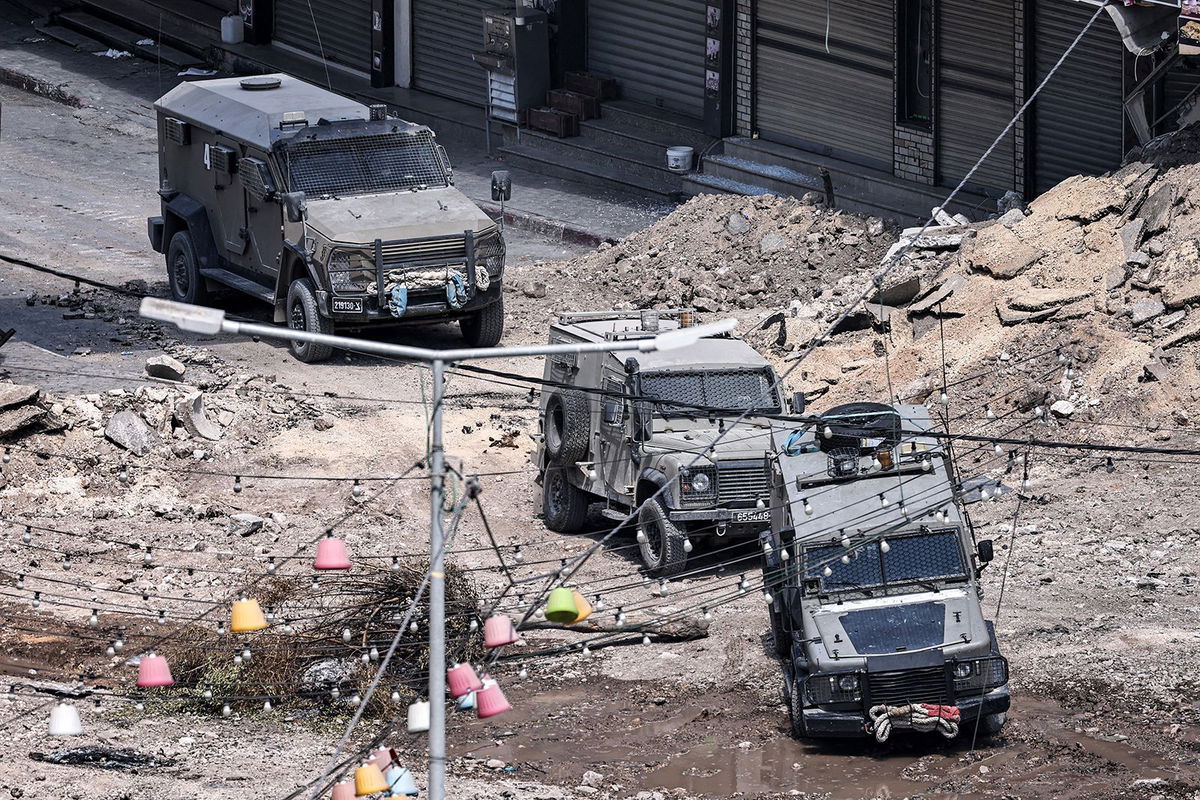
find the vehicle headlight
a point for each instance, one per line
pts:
(962, 670)
(848, 683)
(701, 482)
(349, 271)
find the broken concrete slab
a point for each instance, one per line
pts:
(244, 524)
(16, 420)
(943, 217)
(1189, 334)
(1011, 217)
(1155, 371)
(1116, 276)
(1076, 310)
(1131, 236)
(1170, 320)
(190, 413)
(1039, 299)
(882, 315)
(1146, 309)
(165, 367)
(127, 431)
(1009, 316)
(1000, 252)
(1062, 408)
(1084, 198)
(938, 295)
(15, 394)
(898, 293)
(1178, 294)
(1159, 209)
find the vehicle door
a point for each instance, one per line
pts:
(615, 452)
(264, 214)
(229, 203)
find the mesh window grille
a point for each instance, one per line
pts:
(922, 556)
(389, 162)
(736, 390)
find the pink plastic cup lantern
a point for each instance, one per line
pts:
(343, 791)
(383, 758)
(331, 554)
(490, 701)
(153, 671)
(462, 680)
(499, 631)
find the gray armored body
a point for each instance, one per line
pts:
(333, 213)
(616, 432)
(872, 570)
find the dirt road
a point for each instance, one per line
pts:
(1098, 615)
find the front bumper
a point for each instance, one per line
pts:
(423, 306)
(844, 724)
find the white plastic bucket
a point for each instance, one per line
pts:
(679, 159)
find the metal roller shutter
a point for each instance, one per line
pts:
(445, 35)
(839, 103)
(975, 92)
(344, 26)
(1078, 118)
(655, 50)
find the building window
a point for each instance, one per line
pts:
(914, 73)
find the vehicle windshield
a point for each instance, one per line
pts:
(355, 165)
(692, 393)
(911, 560)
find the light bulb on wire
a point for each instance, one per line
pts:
(237, 484)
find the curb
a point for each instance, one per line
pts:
(39, 87)
(550, 228)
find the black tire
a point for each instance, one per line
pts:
(795, 699)
(662, 552)
(485, 327)
(991, 724)
(304, 315)
(564, 505)
(183, 270)
(568, 425)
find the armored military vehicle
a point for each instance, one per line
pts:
(614, 432)
(329, 210)
(872, 570)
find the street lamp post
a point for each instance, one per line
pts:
(211, 321)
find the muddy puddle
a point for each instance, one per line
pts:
(724, 746)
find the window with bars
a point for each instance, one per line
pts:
(355, 165)
(692, 393)
(936, 555)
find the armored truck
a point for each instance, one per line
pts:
(335, 214)
(872, 572)
(639, 433)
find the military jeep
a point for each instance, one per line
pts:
(329, 210)
(615, 433)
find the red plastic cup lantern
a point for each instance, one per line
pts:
(153, 671)
(490, 701)
(331, 554)
(462, 680)
(499, 631)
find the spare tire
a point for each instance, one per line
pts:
(567, 427)
(852, 422)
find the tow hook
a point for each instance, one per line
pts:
(722, 528)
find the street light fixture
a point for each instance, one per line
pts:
(211, 321)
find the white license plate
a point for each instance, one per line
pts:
(347, 305)
(752, 516)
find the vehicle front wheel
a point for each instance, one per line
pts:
(305, 315)
(796, 710)
(183, 270)
(564, 505)
(662, 544)
(485, 327)
(992, 724)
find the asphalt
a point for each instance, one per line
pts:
(42, 61)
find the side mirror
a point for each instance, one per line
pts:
(501, 185)
(294, 206)
(798, 402)
(986, 553)
(611, 413)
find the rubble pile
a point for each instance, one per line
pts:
(718, 253)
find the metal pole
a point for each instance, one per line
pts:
(437, 597)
